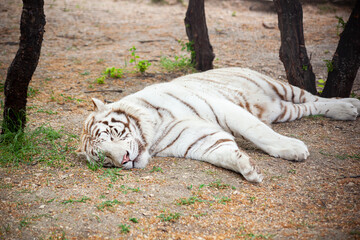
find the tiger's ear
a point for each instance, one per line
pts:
(98, 105)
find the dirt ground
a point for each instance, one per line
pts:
(174, 198)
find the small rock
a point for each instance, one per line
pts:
(146, 177)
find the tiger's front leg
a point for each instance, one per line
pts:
(226, 154)
(206, 142)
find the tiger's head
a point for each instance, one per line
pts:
(116, 135)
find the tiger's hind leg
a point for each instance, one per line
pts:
(338, 109)
(240, 122)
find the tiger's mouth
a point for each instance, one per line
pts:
(126, 158)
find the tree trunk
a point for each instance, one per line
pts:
(292, 51)
(196, 30)
(24, 64)
(346, 60)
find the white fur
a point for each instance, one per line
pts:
(198, 116)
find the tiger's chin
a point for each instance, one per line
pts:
(141, 161)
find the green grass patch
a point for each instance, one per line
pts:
(190, 200)
(315, 117)
(108, 205)
(125, 189)
(178, 63)
(124, 228)
(42, 144)
(156, 169)
(82, 200)
(112, 173)
(219, 185)
(167, 217)
(25, 221)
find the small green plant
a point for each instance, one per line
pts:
(158, 1)
(321, 84)
(32, 92)
(340, 25)
(156, 169)
(233, 14)
(329, 65)
(50, 201)
(354, 95)
(108, 205)
(200, 215)
(133, 55)
(50, 112)
(219, 185)
(189, 47)
(124, 228)
(82, 200)
(2, 86)
(224, 200)
(292, 171)
(85, 73)
(252, 199)
(305, 67)
(126, 189)
(114, 72)
(189, 201)
(142, 65)
(201, 186)
(68, 98)
(134, 220)
(101, 80)
(167, 217)
(24, 222)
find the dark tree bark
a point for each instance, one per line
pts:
(346, 60)
(196, 30)
(292, 51)
(24, 64)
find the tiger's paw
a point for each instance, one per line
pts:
(342, 111)
(353, 101)
(253, 175)
(290, 149)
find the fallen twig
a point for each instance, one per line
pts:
(351, 176)
(105, 90)
(149, 41)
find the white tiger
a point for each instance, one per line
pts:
(198, 116)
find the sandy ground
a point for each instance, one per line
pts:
(316, 199)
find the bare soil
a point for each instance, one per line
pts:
(315, 199)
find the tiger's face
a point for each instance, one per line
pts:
(112, 138)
